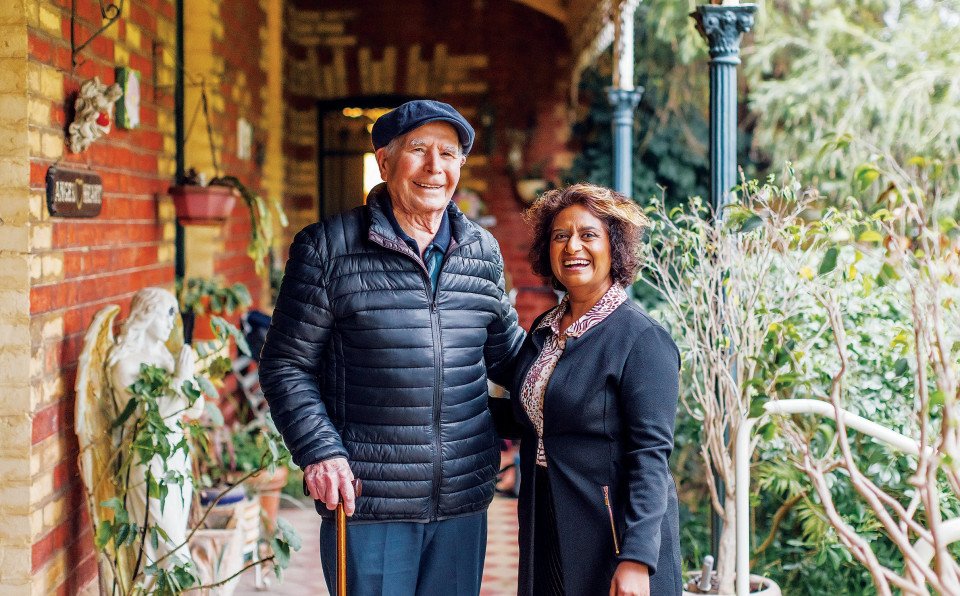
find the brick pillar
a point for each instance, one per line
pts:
(16, 527)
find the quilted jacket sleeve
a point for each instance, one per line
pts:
(291, 359)
(649, 394)
(504, 334)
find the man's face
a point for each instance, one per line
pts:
(422, 174)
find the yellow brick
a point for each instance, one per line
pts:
(52, 514)
(13, 41)
(53, 265)
(46, 454)
(34, 141)
(13, 76)
(51, 145)
(16, 239)
(14, 569)
(16, 470)
(41, 237)
(51, 84)
(121, 55)
(36, 269)
(134, 38)
(33, 78)
(38, 206)
(165, 254)
(16, 398)
(50, 19)
(53, 329)
(38, 110)
(41, 486)
(14, 437)
(14, 271)
(12, 333)
(169, 231)
(13, 108)
(13, 532)
(14, 172)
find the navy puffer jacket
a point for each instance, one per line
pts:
(363, 360)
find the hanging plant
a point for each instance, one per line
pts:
(262, 213)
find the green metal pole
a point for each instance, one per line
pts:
(179, 134)
(624, 102)
(723, 27)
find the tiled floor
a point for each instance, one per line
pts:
(304, 577)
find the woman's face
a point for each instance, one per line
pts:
(580, 251)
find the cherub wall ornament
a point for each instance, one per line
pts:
(94, 113)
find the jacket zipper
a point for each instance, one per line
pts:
(613, 527)
(437, 361)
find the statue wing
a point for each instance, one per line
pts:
(94, 414)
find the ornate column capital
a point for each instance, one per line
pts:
(625, 98)
(722, 27)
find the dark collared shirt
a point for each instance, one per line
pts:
(433, 255)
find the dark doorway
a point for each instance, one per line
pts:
(346, 166)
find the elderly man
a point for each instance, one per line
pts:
(389, 321)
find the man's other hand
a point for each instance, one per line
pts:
(329, 479)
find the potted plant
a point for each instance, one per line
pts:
(263, 213)
(201, 297)
(725, 283)
(253, 452)
(197, 203)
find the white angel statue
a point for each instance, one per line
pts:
(109, 465)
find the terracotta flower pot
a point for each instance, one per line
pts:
(759, 586)
(203, 205)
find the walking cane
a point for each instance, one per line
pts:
(342, 542)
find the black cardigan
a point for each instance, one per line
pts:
(609, 415)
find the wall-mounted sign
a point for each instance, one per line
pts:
(73, 193)
(128, 106)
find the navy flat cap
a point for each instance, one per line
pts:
(416, 113)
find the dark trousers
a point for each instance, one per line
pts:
(442, 558)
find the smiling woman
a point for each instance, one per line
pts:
(597, 381)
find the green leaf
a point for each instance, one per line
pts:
(128, 410)
(886, 275)
(751, 223)
(104, 534)
(213, 413)
(937, 398)
(756, 406)
(871, 236)
(865, 175)
(289, 533)
(207, 386)
(829, 262)
(901, 367)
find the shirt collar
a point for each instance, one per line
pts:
(608, 303)
(440, 242)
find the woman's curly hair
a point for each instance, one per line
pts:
(623, 219)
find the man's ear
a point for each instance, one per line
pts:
(381, 155)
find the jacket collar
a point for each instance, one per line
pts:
(382, 232)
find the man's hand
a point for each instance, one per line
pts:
(630, 579)
(328, 480)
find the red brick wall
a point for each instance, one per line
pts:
(82, 265)
(92, 262)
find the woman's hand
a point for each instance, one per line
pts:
(630, 579)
